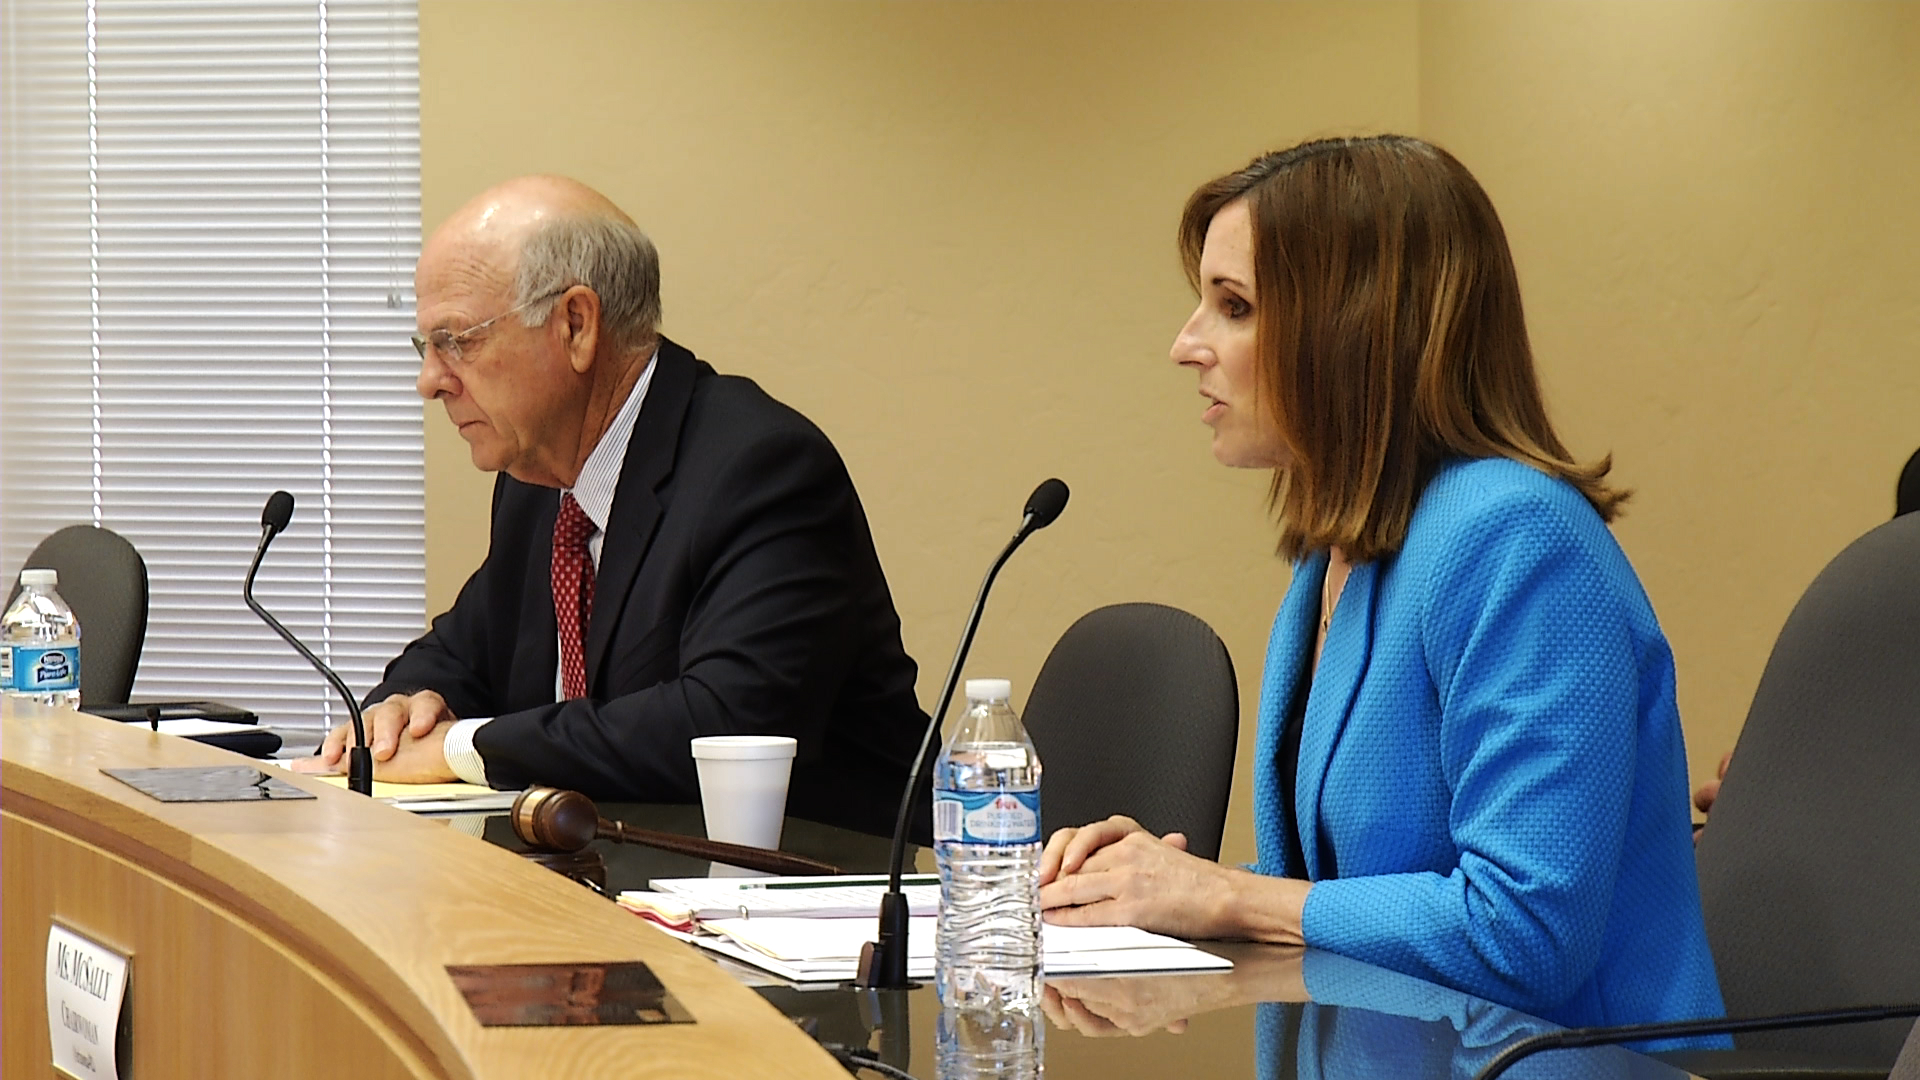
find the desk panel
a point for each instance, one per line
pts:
(325, 925)
(195, 962)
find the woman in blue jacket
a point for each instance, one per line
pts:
(1469, 763)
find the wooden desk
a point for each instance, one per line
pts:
(310, 938)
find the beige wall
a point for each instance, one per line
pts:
(944, 231)
(1715, 208)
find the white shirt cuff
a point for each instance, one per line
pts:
(474, 825)
(461, 757)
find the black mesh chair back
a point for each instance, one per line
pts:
(104, 580)
(1135, 712)
(1810, 863)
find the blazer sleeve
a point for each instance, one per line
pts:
(1528, 641)
(1332, 979)
(768, 639)
(451, 657)
(1386, 1025)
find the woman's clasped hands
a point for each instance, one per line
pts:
(1116, 873)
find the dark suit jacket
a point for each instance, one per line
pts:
(738, 592)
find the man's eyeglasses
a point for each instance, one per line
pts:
(447, 343)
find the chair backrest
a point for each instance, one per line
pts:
(1135, 712)
(1906, 495)
(1810, 863)
(104, 580)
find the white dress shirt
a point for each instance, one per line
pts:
(593, 489)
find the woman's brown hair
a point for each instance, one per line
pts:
(1390, 335)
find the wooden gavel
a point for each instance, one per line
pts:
(558, 820)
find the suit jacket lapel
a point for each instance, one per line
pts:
(1342, 662)
(1287, 648)
(636, 504)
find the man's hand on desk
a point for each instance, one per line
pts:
(407, 733)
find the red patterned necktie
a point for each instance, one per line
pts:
(572, 593)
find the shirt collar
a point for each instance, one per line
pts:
(593, 489)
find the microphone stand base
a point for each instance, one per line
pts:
(883, 962)
(360, 770)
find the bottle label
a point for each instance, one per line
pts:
(44, 671)
(6, 668)
(1003, 818)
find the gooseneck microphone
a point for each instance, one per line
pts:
(273, 519)
(1679, 1029)
(883, 961)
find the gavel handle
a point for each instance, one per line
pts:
(751, 858)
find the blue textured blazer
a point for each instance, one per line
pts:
(1492, 789)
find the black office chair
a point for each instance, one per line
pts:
(1810, 865)
(104, 580)
(1906, 492)
(1136, 712)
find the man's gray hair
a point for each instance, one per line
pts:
(612, 257)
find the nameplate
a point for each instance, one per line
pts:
(86, 984)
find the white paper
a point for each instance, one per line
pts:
(189, 726)
(841, 939)
(453, 804)
(86, 982)
(842, 897)
(1121, 961)
(818, 950)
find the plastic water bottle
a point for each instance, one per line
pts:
(40, 644)
(986, 835)
(974, 1044)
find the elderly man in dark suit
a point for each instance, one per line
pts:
(673, 552)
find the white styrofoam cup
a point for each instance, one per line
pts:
(743, 787)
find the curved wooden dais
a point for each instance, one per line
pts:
(311, 937)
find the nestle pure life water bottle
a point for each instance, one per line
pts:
(986, 835)
(40, 644)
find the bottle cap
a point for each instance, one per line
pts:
(989, 690)
(45, 579)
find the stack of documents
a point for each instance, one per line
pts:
(802, 929)
(828, 950)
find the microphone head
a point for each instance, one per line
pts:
(278, 511)
(1045, 504)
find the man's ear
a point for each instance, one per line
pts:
(578, 313)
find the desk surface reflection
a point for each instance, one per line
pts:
(1281, 1012)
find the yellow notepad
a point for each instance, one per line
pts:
(407, 792)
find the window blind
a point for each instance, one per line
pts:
(209, 214)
